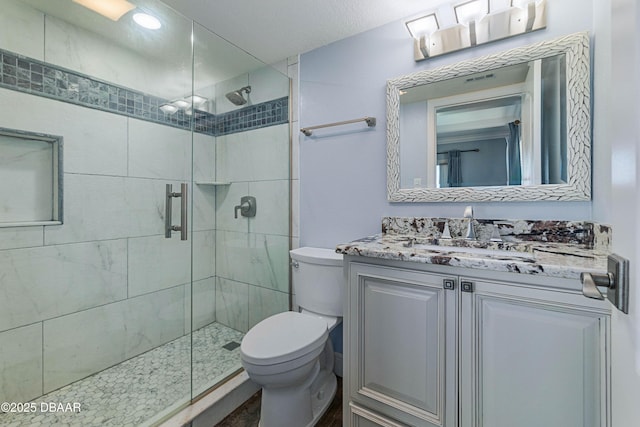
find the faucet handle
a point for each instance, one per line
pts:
(468, 212)
(495, 234)
(446, 233)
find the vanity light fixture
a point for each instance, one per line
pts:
(147, 21)
(474, 24)
(471, 11)
(423, 26)
(468, 14)
(112, 9)
(524, 3)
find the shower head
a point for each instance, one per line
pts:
(236, 96)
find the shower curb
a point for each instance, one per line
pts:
(216, 405)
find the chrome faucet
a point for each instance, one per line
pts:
(468, 213)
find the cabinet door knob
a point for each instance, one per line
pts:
(466, 286)
(591, 281)
(449, 284)
(615, 280)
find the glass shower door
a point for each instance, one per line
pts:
(241, 152)
(96, 311)
(110, 309)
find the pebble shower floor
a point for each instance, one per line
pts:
(141, 390)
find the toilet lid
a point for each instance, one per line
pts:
(283, 337)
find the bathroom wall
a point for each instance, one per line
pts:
(343, 170)
(617, 128)
(106, 285)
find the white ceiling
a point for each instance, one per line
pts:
(272, 30)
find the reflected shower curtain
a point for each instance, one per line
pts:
(455, 168)
(554, 147)
(513, 155)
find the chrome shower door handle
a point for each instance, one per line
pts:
(167, 211)
(184, 191)
(182, 228)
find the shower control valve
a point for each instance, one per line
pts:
(247, 207)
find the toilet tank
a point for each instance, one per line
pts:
(318, 280)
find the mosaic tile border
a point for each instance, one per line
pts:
(269, 113)
(39, 78)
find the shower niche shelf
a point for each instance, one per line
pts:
(31, 166)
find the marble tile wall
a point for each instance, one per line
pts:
(109, 334)
(78, 49)
(28, 75)
(28, 165)
(106, 285)
(252, 254)
(20, 358)
(45, 282)
(84, 68)
(252, 259)
(18, 19)
(204, 298)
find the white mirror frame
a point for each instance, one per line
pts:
(576, 49)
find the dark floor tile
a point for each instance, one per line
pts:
(247, 415)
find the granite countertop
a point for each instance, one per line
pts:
(564, 249)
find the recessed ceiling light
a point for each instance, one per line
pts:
(147, 21)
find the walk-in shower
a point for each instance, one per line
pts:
(236, 96)
(104, 306)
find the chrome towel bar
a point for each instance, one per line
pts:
(371, 122)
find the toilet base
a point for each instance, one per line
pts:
(313, 402)
(323, 397)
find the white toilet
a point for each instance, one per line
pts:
(289, 354)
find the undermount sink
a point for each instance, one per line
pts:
(473, 250)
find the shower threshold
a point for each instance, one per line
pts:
(143, 390)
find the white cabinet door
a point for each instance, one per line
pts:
(402, 326)
(362, 417)
(531, 357)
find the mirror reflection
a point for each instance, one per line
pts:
(502, 127)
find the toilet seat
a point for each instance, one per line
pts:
(283, 337)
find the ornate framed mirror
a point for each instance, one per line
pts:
(512, 126)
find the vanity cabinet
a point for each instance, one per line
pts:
(427, 345)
